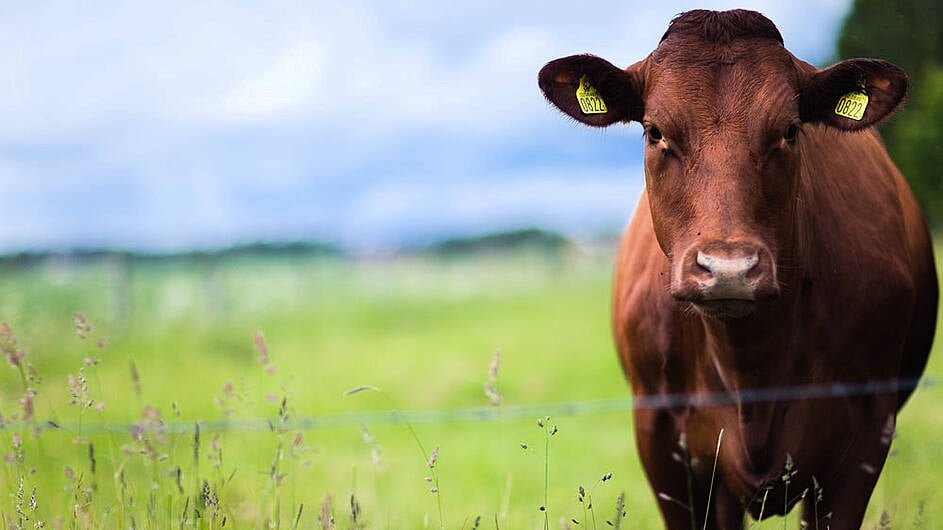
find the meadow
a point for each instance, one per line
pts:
(217, 394)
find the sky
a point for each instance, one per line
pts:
(174, 125)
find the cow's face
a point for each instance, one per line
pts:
(724, 126)
(721, 169)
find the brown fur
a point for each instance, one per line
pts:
(844, 257)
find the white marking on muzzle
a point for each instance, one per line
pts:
(728, 276)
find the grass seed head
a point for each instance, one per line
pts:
(196, 441)
(262, 347)
(885, 522)
(493, 367)
(82, 326)
(18, 456)
(135, 377)
(491, 392)
(491, 386)
(27, 404)
(10, 347)
(92, 463)
(326, 517)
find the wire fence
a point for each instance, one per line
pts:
(836, 390)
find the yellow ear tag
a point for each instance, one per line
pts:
(852, 105)
(590, 100)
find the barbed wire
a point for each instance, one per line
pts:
(513, 412)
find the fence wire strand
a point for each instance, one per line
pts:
(513, 412)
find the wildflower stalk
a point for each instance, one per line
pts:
(788, 473)
(544, 423)
(620, 512)
(587, 499)
(710, 491)
(433, 457)
(16, 357)
(689, 471)
(546, 481)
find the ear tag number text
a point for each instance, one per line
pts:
(590, 100)
(852, 105)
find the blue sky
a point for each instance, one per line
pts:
(174, 125)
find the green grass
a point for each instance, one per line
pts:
(424, 331)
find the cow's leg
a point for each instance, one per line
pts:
(845, 497)
(726, 510)
(657, 439)
(669, 470)
(842, 504)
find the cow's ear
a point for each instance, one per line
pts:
(853, 94)
(592, 90)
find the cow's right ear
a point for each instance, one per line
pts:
(853, 94)
(592, 90)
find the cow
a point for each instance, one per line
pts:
(775, 293)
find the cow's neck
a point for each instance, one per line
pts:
(751, 351)
(750, 357)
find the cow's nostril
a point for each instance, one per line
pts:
(727, 267)
(705, 262)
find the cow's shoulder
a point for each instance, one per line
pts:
(644, 313)
(853, 219)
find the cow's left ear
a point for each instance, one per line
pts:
(853, 94)
(592, 90)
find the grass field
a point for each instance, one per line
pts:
(111, 442)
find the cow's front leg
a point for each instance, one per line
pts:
(681, 480)
(840, 503)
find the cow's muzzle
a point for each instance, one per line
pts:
(725, 279)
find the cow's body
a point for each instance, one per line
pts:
(858, 307)
(794, 264)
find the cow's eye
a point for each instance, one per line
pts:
(791, 132)
(654, 134)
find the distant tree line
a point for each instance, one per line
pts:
(533, 239)
(519, 239)
(91, 255)
(908, 33)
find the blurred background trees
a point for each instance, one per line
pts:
(908, 33)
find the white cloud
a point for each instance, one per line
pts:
(296, 76)
(175, 113)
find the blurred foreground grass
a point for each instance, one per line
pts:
(424, 330)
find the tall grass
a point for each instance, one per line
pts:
(134, 394)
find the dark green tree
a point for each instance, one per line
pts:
(905, 32)
(908, 33)
(917, 143)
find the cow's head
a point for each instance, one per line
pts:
(726, 110)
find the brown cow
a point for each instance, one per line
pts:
(777, 278)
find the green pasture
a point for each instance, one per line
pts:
(174, 344)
